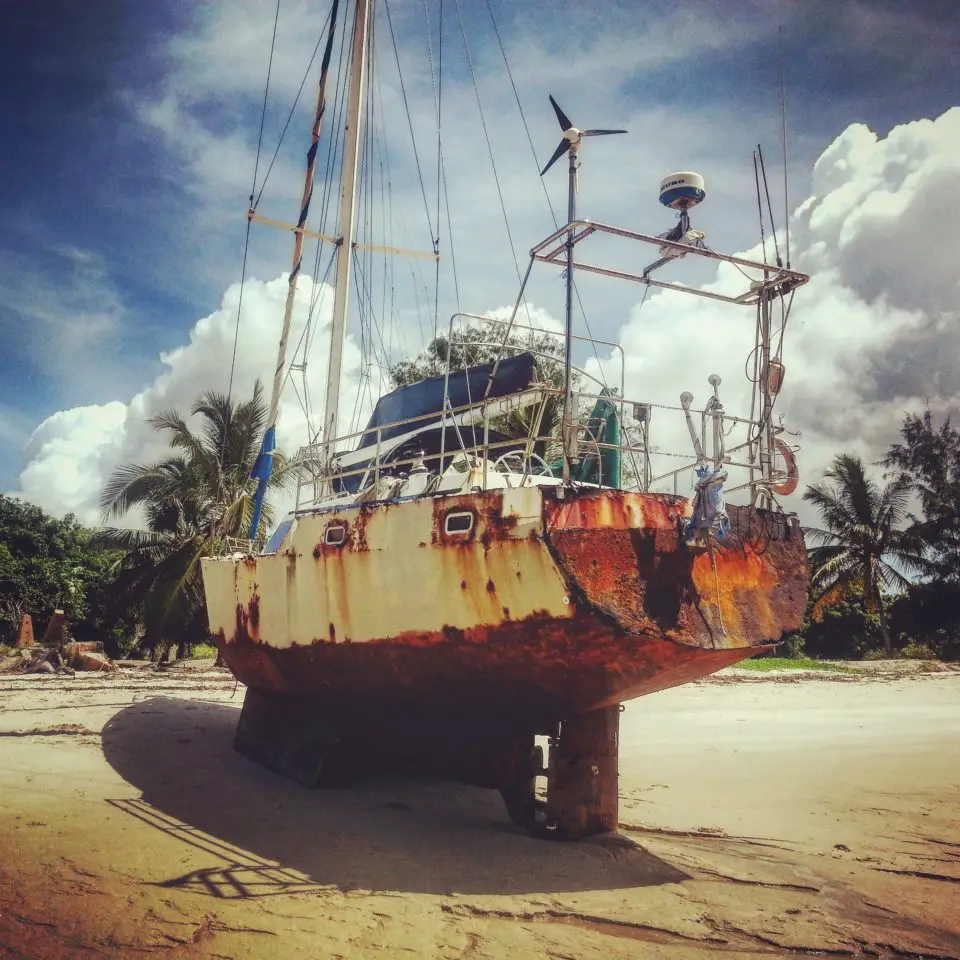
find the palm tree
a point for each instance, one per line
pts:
(192, 500)
(862, 546)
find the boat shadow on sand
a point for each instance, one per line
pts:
(267, 835)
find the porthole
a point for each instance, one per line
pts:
(458, 523)
(336, 534)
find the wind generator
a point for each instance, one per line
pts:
(570, 145)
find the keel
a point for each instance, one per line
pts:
(284, 734)
(582, 780)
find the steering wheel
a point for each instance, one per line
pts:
(516, 462)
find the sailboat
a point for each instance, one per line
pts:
(450, 589)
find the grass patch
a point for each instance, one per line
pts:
(203, 651)
(763, 664)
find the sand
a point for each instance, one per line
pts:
(761, 819)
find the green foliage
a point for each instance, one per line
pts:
(918, 650)
(193, 500)
(842, 630)
(929, 460)
(879, 654)
(793, 648)
(203, 651)
(929, 613)
(48, 564)
(764, 664)
(478, 345)
(863, 546)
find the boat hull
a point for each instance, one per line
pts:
(546, 609)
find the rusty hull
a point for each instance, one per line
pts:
(546, 610)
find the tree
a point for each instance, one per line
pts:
(478, 345)
(930, 460)
(192, 500)
(863, 546)
(48, 564)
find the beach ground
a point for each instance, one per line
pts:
(773, 817)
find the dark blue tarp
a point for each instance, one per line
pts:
(428, 445)
(465, 386)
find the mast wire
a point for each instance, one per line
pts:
(783, 121)
(546, 193)
(253, 187)
(766, 188)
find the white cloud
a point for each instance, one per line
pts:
(72, 453)
(875, 333)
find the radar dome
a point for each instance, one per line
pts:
(680, 191)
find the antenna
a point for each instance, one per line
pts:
(570, 144)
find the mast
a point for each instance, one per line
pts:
(569, 437)
(264, 464)
(348, 206)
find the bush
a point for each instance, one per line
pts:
(203, 651)
(792, 648)
(918, 650)
(880, 655)
(929, 614)
(843, 631)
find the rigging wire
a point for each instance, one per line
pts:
(766, 187)
(546, 193)
(756, 178)
(436, 242)
(253, 187)
(406, 107)
(486, 137)
(256, 203)
(783, 120)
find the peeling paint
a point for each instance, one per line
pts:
(563, 605)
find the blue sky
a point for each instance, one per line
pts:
(128, 128)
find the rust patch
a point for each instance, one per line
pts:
(533, 671)
(358, 535)
(247, 625)
(627, 559)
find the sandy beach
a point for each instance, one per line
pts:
(767, 818)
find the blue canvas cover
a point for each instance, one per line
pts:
(465, 386)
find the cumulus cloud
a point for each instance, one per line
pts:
(72, 453)
(875, 332)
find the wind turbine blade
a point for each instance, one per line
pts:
(565, 123)
(557, 154)
(600, 133)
